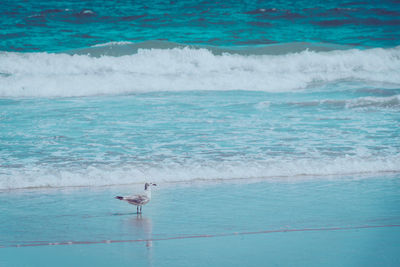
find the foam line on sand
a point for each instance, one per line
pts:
(286, 230)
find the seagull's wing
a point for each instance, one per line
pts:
(135, 196)
(137, 199)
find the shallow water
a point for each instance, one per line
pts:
(336, 129)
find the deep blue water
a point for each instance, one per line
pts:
(60, 25)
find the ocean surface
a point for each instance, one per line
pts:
(97, 93)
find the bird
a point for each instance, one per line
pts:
(139, 200)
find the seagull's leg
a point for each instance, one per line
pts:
(140, 209)
(137, 209)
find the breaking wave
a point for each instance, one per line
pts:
(284, 170)
(188, 69)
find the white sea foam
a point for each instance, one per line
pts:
(113, 44)
(183, 69)
(290, 169)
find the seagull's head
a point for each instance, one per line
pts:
(147, 185)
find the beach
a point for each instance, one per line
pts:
(339, 222)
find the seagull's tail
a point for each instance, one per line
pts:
(120, 198)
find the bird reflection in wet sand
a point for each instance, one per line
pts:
(144, 227)
(140, 228)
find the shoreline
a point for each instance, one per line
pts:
(287, 179)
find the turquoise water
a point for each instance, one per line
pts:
(167, 136)
(60, 25)
(304, 96)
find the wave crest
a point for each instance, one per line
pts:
(187, 69)
(283, 169)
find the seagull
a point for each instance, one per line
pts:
(139, 200)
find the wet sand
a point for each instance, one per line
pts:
(314, 222)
